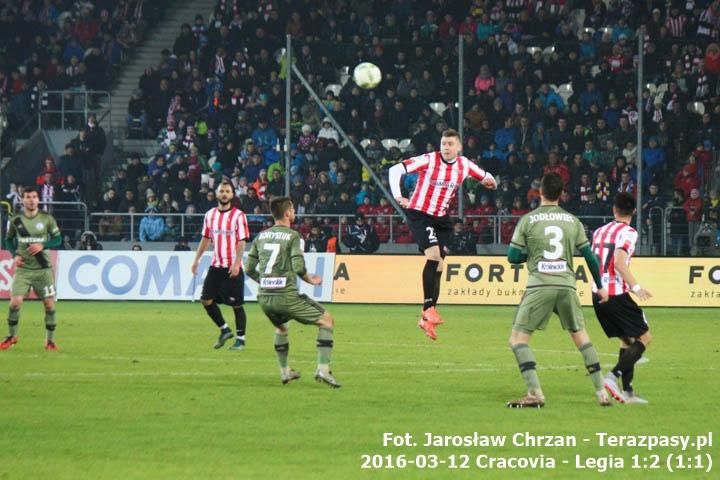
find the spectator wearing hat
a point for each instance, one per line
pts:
(327, 131)
(361, 237)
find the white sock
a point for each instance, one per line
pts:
(323, 367)
(224, 327)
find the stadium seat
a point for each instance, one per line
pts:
(533, 50)
(585, 30)
(389, 143)
(652, 88)
(405, 144)
(553, 87)
(565, 91)
(344, 74)
(364, 142)
(697, 107)
(594, 70)
(335, 88)
(605, 30)
(547, 52)
(662, 88)
(577, 17)
(438, 107)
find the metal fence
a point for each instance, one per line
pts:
(489, 229)
(69, 109)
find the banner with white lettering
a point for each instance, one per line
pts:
(106, 275)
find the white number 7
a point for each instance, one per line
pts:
(274, 252)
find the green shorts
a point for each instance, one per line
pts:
(41, 280)
(537, 304)
(281, 309)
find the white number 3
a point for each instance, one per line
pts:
(556, 236)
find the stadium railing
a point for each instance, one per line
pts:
(71, 217)
(490, 229)
(69, 109)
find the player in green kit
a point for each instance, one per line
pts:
(29, 236)
(550, 235)
(274, 262)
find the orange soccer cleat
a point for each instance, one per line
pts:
(8, 342)
(429, 328)
(431, 315)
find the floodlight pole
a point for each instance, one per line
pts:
(288, 109)
(461, 109)
(342, 133)
(638, 197)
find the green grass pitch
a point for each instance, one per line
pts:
(137, 392)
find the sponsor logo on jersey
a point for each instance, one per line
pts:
(444, 184)
(559, 266)
(273, 282)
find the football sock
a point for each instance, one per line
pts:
(436, 289)
(592, 363)
(628, 359)
(13, 320)
(324, 347)
(628, 375)
(216, 315)
(282, 349)
(240, 321)
(428, 277)
(526, 361)
(50, 324)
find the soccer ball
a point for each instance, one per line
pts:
(367, 75)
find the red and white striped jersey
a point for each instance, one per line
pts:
(606, 240)
(438, 181)
(225, 229)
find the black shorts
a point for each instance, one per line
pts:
(218, 286)
(429, 231)
(620, 316)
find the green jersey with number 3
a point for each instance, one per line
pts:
(275, 260)
(550, 234)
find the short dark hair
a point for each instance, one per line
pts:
(624, 203)
(451, 132)
(225, 183)
(280, 205)
(30, 189)
(551, 186)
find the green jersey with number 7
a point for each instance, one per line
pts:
(550, 234)
(279, 259)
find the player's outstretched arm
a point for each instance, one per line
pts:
(516, 256)
(394, 177)
(623, 269)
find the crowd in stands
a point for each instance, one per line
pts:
(217, 101)
(52, 45)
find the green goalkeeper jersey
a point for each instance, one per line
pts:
(550, 234)
(275, 261)
(24, 231)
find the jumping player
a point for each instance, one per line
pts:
(620, 316)
(227, 228)
(440, 175)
